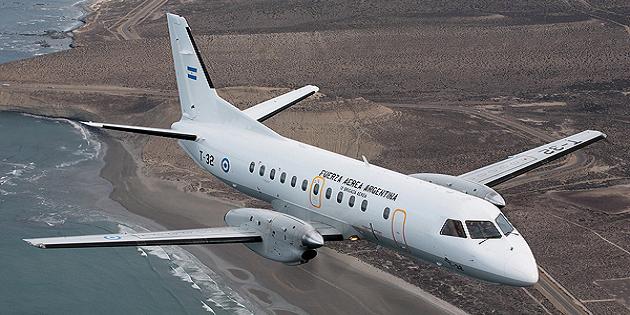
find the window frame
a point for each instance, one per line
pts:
(340, 197)
(386, 213)
(509, 224)
(261, 170)
(351, 201)
(364, 205)
(478, 237)
(458, 229)
(304, 184)
(294, 181)
(252, 167)
(329, 193)
(283, 177)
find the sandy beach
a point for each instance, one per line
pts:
(333, 283)
(425, 87)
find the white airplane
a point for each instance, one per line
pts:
(318, 196)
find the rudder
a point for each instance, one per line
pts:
(198, 99)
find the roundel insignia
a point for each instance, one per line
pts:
(225, 165)
(112, 237)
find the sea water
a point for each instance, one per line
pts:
(50, 186)
(35, 27)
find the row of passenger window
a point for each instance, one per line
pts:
(328, 194)
(283, 176)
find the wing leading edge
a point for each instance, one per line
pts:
(168, 133)
(521, 163)
(268, 109)
(219, 235)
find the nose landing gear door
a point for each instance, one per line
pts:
(315, 191)
(399, 220)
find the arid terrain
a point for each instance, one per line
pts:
(439, 86)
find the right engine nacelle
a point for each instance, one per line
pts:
(286, 239)
(462, 185)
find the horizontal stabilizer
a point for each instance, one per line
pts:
(270, 108)
(168, 133)
(521, 163)
(218, 235)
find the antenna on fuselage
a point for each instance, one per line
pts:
(365, 161)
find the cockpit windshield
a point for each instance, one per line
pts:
(504, 224)
(453, 228)
(482, 229)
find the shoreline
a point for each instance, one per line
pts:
(464, 111)
(264, 286)
(254, 278)
(159, 204)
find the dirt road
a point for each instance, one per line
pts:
(124, 28)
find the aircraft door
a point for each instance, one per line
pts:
(399, 220)
(315, 191)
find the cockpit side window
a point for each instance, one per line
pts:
(504, 224)
(482, 229)
(453, 228)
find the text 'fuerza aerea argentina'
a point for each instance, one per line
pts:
(356, 184)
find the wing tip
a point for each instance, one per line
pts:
(599, 133)
(92, 124)
(34, 243)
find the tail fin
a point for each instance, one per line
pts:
(197, 95)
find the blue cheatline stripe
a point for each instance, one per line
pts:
(190, 76)
(191, 69)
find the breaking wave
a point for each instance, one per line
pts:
(189, 269)
(90, 149)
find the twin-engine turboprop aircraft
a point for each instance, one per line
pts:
(319, 196)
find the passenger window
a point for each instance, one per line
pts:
(504, 224)
(262, 170)
(328, 193)
(453, 228)
(351, 201)
(283, 177)
(316, 189)
(340, 197)
(304, 185)
(386, 213)
(293, 181)
(251, 167)
(364, 205)
(482, 229)
(272, 174)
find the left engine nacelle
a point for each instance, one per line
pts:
(286, 239)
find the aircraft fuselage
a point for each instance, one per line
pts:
(363, 200)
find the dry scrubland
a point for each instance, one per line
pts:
(545, 66)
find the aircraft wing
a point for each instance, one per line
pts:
(268, 109)
(219, 235)
(516, 165)
(168, 133)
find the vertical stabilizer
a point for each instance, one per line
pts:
(198, 98)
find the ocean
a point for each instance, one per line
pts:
(50, 186)
(34, 27)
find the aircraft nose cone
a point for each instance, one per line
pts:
(312, 239)
(521, 268)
